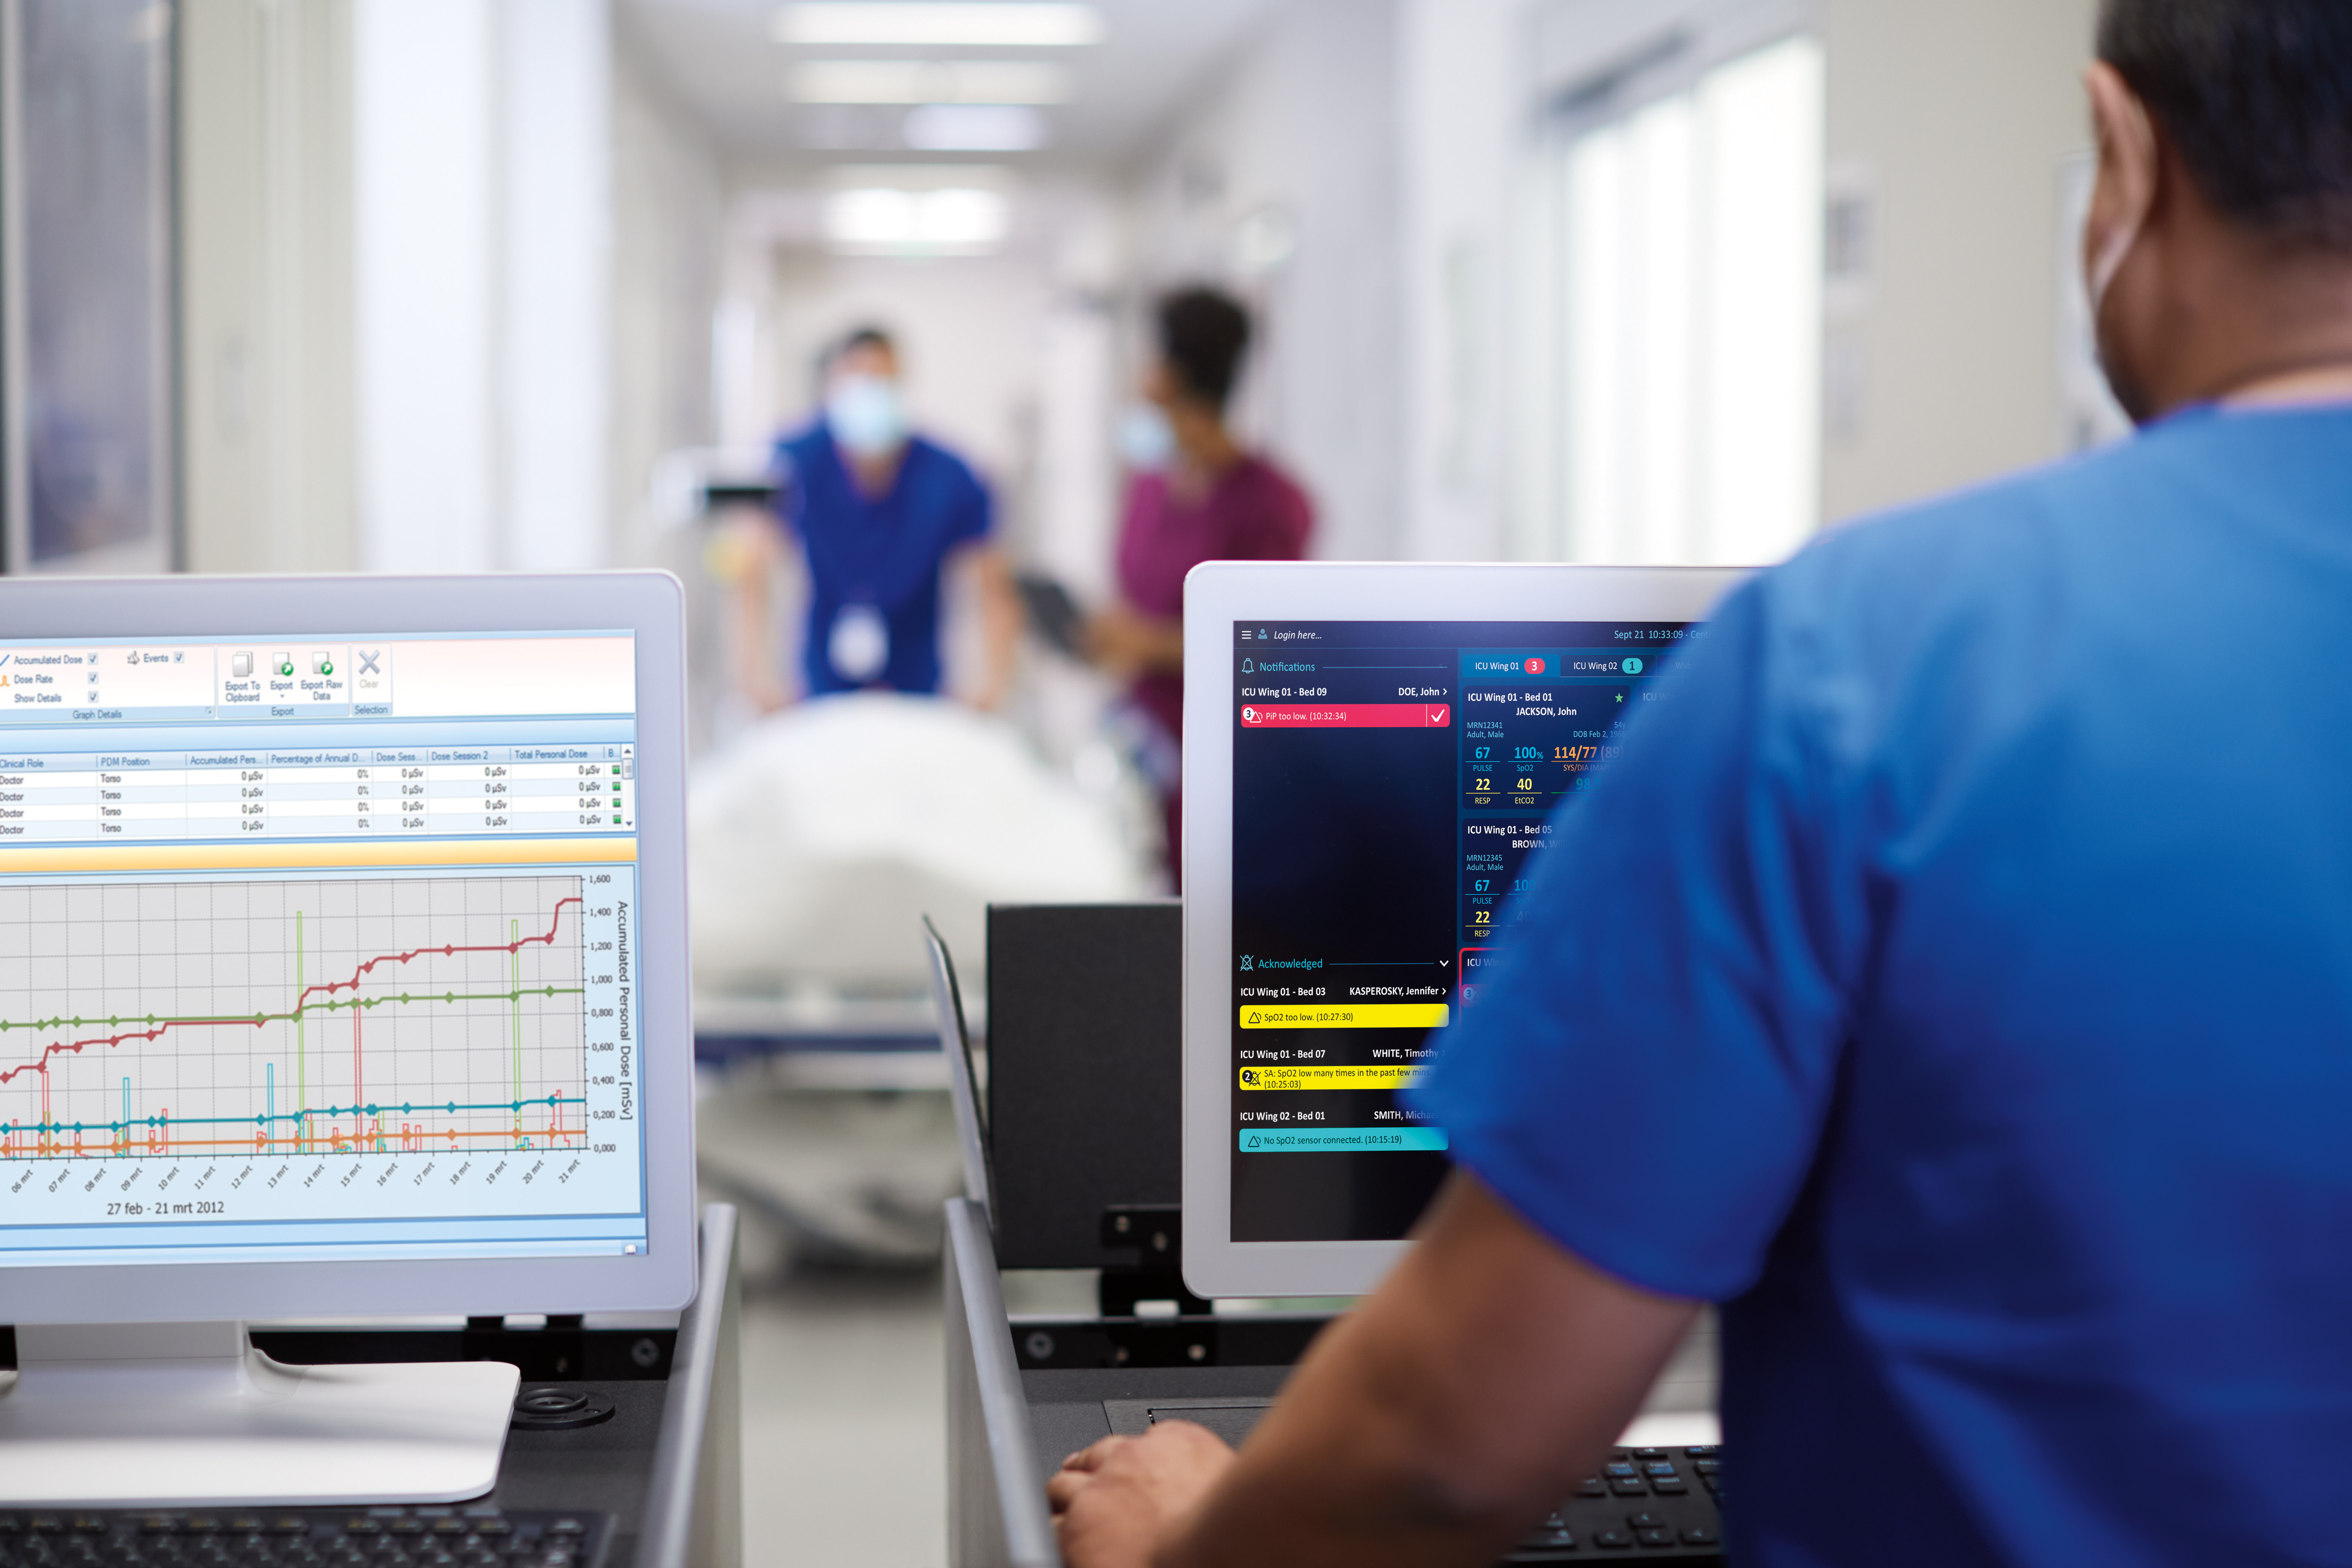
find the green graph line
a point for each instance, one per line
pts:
(296, 1013)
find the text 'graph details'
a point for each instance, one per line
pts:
(286, 1049)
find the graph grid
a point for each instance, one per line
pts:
(283, 1014)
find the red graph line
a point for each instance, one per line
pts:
(41, 1064)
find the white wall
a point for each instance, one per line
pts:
(555, 232)
(266, 286)
(1464, 108)
(483, 215)
(1956, 120)
(425, 130)
(669, 219)
(1282, 183)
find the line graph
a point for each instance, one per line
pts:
(354, 1014)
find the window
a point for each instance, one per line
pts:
(1676, 415)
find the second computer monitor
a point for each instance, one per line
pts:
(1372, 754)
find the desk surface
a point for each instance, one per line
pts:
(1066, 1407)
(667, 1465)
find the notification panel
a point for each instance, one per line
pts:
(1392, 782)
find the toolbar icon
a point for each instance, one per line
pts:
(322, 662)
(240, 666)
(368, 656)
(283, 663)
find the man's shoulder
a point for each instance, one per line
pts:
(942, 465)
(2005, 542)
(799, 444)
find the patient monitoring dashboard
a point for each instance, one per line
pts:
(1394, 783)
(319, 947)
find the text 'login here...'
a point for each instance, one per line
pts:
(1391, 780)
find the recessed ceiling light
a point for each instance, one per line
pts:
(970, 22)
(884, 220)
(930, 81)
(973, 127)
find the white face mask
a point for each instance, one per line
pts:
(1145, 439)
(865, 415)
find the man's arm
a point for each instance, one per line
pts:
(999, 618)
(742, 553)
(1431, 1425)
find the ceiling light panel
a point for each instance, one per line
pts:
(970, 23)
(930, 81)
(973, 127)
(882, 220)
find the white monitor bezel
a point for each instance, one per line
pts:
(651, 606)
(1217, 594)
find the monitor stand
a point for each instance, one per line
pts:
(190, 1415)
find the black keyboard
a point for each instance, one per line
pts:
(475, 1537)
(1648, 1502)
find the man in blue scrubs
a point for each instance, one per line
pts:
(1954, 980)
(881, 514)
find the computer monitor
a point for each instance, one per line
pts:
(1371, 754)
(342, 971)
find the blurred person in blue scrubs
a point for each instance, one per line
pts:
(881, 516)
(1952, 978)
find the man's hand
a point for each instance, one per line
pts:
(1117, 1500)
(1429, 1426)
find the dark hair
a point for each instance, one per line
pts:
(2257, 95)
(1202, 334)
(865, 337)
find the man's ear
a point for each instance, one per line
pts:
(2129, 167)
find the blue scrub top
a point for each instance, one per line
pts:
(1953, 974)
(884, 552)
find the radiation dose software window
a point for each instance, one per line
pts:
(1390, 782)
(319, 948)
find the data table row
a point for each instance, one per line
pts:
(308, 800)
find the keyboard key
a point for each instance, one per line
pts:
(1655, 1537)
(1707, 1467)
(1657, 1469)
(1665, 1487)
(1628, 1486)
(1591, 1487)
(1647, 1518)
(1619, 1469)
(1552, 1540)
(1649, 1453)
(1700, 1535)
(1611, 1540)
(1704, 1450)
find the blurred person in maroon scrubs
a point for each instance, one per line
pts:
(1195, 494)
